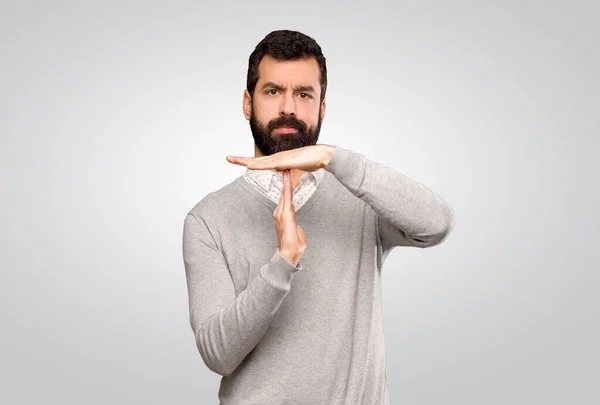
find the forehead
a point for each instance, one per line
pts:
(298, 72)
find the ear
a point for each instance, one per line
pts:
(247, 105)
(323, 108)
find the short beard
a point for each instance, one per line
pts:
(270, 144)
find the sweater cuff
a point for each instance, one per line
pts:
(279, 272)
(345, 164)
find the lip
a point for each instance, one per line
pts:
(285, 130)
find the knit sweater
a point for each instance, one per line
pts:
(311, 333)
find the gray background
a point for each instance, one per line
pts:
(116, 118)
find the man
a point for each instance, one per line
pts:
(290, 312)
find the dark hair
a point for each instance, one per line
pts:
(286, 45)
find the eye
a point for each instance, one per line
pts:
(305, 95)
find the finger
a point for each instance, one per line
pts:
(253, 163)
(263, 163)
(238, 160)
(279, 207)
(287, 190)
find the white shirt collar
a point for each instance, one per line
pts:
(266, 178)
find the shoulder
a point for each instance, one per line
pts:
(216, 202)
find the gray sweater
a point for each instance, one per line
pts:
(311, 333)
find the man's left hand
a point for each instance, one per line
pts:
(308, 158)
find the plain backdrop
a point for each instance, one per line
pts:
(116, 117)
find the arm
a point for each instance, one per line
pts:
(226, 327)
(408, 213)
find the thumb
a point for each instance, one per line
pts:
(301, 236)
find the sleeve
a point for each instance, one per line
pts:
(408, 213)
(226, 327)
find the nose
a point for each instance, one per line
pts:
(288, 106)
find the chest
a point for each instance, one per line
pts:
(339, 243)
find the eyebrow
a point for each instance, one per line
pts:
(276, 86)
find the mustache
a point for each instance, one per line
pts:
(287, 121)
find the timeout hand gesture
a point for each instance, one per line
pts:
(291, 240)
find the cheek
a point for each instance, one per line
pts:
(265, 112)
(310, 115)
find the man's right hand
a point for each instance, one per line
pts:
(290, 237)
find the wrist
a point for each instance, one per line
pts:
(329, 150)
(293, 259)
